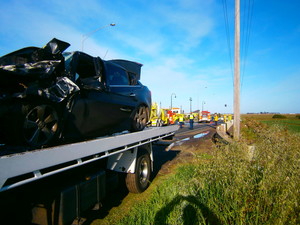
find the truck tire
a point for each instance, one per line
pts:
(139, 181)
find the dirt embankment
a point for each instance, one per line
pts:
(189, 143)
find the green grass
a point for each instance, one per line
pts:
(234, 185)
(291, 122)
(292, 125)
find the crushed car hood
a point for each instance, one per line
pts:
(36, 71)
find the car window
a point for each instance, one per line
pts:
(85, 66)
(116, 75)
(132, 78)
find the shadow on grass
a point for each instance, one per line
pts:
(190, 211)
(117, 190)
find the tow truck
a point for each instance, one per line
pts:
(158, 116)
(58, 185)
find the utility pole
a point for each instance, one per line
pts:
(191, 104)
(202, 105)
(171, 100)
(236, 120)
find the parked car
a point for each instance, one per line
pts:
(48, 95)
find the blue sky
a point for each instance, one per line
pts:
(181, 43)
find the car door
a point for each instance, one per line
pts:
(93, 109)
(123, 95)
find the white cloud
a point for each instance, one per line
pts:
(174, 75)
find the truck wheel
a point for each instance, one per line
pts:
(139, 181)
(140, 119)
(40, 125)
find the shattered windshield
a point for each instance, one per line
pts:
(68, 58)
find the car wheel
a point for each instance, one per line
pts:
(139, 181)
(140, 118)
(40, 125)
(160, 123)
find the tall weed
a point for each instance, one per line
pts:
(260, 187)
(237, 185)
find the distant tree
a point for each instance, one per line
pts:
(278, 116)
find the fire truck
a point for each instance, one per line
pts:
(204, 116)
(173, 115)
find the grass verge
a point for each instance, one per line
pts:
(236, 185)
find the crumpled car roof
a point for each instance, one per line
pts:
(34, 71)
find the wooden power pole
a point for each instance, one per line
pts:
(236, 120)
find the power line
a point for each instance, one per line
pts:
(247, 25)
(248, 7)
(227, 28)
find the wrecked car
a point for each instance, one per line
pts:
(49, 96)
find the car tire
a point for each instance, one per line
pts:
(140, 119)
(159, 123)
(139, 181)
(40, 125)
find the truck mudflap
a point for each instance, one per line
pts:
(125, 162)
